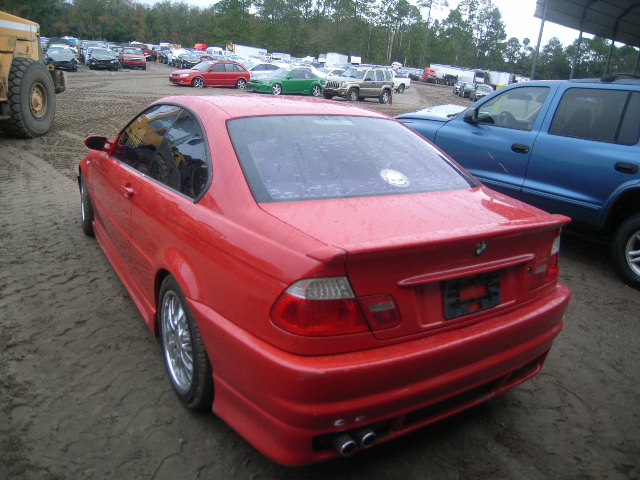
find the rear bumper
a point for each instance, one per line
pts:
(286, 404)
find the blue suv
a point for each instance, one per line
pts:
(567, 147)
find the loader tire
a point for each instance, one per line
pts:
(31, 99)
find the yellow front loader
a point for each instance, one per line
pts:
(27, 86)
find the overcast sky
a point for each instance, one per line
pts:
(516, 14)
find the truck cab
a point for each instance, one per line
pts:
(567, 147)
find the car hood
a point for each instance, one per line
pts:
(104, 57)
(267, 78)
(442, 113)
(61, 56)
(371, 224)
(184, 70)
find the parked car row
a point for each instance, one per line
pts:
(472, 91)
(353, 82)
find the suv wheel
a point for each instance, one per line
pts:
(625, 251)
(353, 95)
(401, 88)
(384, 97)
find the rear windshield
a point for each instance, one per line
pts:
(295, 157)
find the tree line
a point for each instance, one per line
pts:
(380, 31)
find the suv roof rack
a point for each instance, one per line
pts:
(612, 77)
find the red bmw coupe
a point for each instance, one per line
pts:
(320, 276)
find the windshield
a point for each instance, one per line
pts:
(309, 157)
(189, 57)
(100, 51)
(280, 72)
(202, 66)
(133, 51)
(353, 73)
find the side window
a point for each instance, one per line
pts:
(140, 139)
(298, 74)
(219, 67)
(517, 108)
(370, 76)
(389, 75)
(598, 114)
(181, 162)
(230, 67)
(380, 75)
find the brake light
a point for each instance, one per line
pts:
(328, 306)
(546, 270)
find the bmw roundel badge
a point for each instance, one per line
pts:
(480, 248)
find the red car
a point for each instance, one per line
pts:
(132, 57)
(212, 74)
(319, 275)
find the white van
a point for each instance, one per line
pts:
(215, 51)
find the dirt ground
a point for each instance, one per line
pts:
(83, 393)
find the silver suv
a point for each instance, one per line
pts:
(360, 82)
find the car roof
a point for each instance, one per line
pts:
(248, 106)
(609, 79)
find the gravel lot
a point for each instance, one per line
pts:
(83, 394)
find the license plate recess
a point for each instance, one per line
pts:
(467, 295)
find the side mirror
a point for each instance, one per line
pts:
(96, 143)
(471, 116)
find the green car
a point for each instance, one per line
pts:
(288, 80)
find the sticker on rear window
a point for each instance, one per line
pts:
(394, 177)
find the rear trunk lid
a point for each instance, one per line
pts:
(445, 258)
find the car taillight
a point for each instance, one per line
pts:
(328, 306)
(546, 269)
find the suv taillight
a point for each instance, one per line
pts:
(328, 306)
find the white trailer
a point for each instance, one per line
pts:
(245, 51)
(332, 58)
(444, 72)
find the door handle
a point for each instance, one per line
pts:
(625, 167)
(520, 148)
(128, 191)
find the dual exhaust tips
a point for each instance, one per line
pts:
(346, 443)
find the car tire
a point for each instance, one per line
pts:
(86, 209)
(197, 82)
(353, 95)
(30, 99)
(144, 67)
(316, 90)
(328, 96)
(401, 88)
(276, 89)
(385, 97)
(241, 84)
(625, 251)
(185, 357)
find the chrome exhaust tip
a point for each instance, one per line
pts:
(344, 444)
(365, 437)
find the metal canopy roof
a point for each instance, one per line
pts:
(617, 20)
